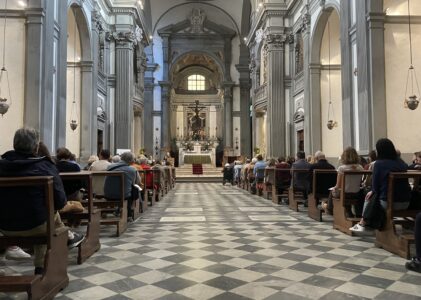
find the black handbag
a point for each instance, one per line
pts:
(374, 214)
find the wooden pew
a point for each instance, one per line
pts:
(173, 177)
(55, 277)
(110, 206)
(267, 192)
(90, 216)
(388, 238)
(342, 205)
(296, 194)
(167, 178)
(281, 184)
(260, 173)
(157, 185)
(322, 181)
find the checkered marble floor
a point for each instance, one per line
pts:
(208, 241)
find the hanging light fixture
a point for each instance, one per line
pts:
(331, 123)
(4, 75)
(411, 101)
(74, 116)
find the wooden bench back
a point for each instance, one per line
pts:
(322, 181)
(393, 177)
(45, 182)
(301, 175)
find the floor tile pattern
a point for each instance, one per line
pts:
(208, 241)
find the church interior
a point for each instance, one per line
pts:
(202, 88)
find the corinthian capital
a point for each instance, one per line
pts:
(275, 40)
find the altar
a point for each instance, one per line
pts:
(197, 154)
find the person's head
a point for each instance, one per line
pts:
(319, 155)
(271, 162)
(259, 157)
(363, 161)
(290, 160)
(143, 160)
(372, 156)
(43, 150)
(104, 154)
(116, 159)
(281, 159)
(254, 160)
(418, 157)
(301, 155)
(127, 157)
(248, 160)
(310, 159)
(92, 159)
(26, 141)
(350, 156)
(385, 149)
(63, 153)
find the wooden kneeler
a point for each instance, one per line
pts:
(55, 277)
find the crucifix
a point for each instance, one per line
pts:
(196, 123)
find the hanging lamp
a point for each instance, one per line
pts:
(74, 116)
(331, 123)
(4, 75)
(411, 101)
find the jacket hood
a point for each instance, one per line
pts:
(15, 161)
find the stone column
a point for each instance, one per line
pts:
(275, 126)
(376, 67)
(137, 131)
(166, 117)
(228, 114)
(88, 114)
(123, 102)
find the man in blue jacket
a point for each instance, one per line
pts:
(23, 211)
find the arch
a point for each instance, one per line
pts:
(83, 28)
(178, 58)
(237, 30)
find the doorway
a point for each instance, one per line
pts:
(100, 141)
(300, 140)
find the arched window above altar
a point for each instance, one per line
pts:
(196, 82)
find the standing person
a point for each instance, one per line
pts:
(415, 263)
(300, 180)
(387, 161)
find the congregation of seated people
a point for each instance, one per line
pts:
(245, 172)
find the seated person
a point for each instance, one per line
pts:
(65, 163)
(300, 180)
(283, 179)
(26, 216)
(259, 171)
(131, 177)
(415, 263)
(320, 164)
(100, 165)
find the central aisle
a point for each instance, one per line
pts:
(208, 241)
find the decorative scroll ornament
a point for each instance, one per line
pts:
(259, 35)
(275, 40)
(290, 38)
(122, 38)
(252, 65)
(4, 75)
(411, 101)
(305, 22)
(138, 33)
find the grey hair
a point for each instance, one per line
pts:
(319, 155)
(26, 140)
(116, 159)
(127, 157)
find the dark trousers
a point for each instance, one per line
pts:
(417, 234)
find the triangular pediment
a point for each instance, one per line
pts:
(197, 24)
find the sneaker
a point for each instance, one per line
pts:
(357, 228)
(414, 265)
(16, 253)
(76, 240)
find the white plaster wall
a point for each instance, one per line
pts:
(180, 121)
(13, 4)
(332, 143)
(73, 91)
(335, 43)
(235, 55)
(212, 121)
(402, 123)
(400, 7)
(15, 65)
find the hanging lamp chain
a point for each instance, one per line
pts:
(4, 36)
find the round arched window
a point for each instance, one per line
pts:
(196, 83)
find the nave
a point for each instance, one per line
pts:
(208, 241)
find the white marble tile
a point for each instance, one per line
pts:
(160, 253)
(93, 293)
(200, 292)
(406, 288)
(382, 273)
(245, 275)
(156, 264)
(307, 291)
(103, 278)
(292, 274)
(257, 208)
(359, 290)
(197, 253)
(183, 209)
(152, 276)
(187, 193)
(271, 218)
(184, 219)
(198, 263)
(149, 292)
(280, 262)
(199, 276)
(254, 291)
(239, 262)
